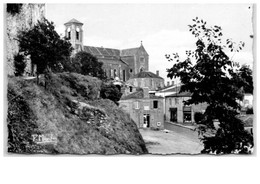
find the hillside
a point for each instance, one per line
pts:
(67, 117)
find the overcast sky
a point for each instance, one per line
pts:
(162, 27)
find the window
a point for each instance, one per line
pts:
(141, 59)
(130, 88)
(69, 33)
(155, 104)
(77, 33)
(136, 105)
(186, 114)
(131, 70)
(115, 74)
(124, 78)
(170, 101)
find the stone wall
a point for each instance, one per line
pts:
(28, 16)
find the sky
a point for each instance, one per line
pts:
(162, 28)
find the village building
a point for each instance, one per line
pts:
(144, 79)
(147, 79)
(116, 63)
(176, 111)
(144, 108)
(174, 108)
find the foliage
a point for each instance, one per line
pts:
(14, 8)
(246, 82)
(70, 65)
(44, 46)
(212, 77)
(90, 65)
(73, 84)
(110, 91)
(198, 116)
(250, 111)
(19, 64)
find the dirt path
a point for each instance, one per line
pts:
(159, 142)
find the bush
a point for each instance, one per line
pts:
(19, 64)
(198, 116)
(111, 92)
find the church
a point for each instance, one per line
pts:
(122, 64)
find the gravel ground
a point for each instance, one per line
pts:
(174, 142)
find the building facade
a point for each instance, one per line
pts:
(176, 111)
(116, 63)
(147, 79)
(145, 109)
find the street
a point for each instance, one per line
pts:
(179, 140)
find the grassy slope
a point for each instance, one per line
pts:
(49, 111)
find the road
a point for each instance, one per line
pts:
(178, 141)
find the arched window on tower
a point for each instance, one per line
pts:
(77, 33)
(141, 69)
(69, 33)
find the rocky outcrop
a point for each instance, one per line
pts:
(25, 19)
(68, 117)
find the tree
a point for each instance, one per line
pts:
(19, 64)
(111, 92)
(44, 46)
(13, 8)
(70, 65)
(245, 73)
(90, 65)
(212, 77)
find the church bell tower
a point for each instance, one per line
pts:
(74, 32)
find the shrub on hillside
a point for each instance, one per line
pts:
(111, 92)
(19, 64)
(74, 84)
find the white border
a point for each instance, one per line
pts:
(129, 169)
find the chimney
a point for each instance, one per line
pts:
(173, 83)
(157, 72)
(168, 83)
(146, 92)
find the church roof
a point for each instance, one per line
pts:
(101, 51)
(104, 53)
(129, 52)
(73, 21)
(146, 75)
